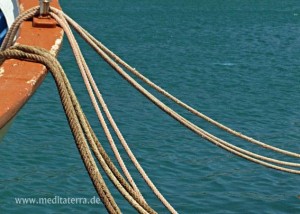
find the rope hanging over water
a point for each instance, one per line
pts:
(86, 139)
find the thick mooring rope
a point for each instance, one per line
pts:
(74, 122)
(126, 190)
(10, 36)
(92, 87)
(82, 131)
(76, 50)
(84, 135)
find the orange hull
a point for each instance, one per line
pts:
(18, 79)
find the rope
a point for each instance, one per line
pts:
(10, 36)
(74, 123)
(117, 131)
(91, 85)
(84, 131)
(79, 125)
(72, 39)
(117, 59)
(106, 54)
(86, 139)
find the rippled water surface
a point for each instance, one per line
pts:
(236, 61)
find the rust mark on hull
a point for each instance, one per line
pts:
(20, 79)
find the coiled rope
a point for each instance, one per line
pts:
(85, 137)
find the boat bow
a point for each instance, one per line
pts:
(19, 79)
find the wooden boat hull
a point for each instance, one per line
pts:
(19, 79)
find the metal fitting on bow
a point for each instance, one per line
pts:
(44, 7)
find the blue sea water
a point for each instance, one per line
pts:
(236, 61)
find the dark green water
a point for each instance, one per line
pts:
(236, 61)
